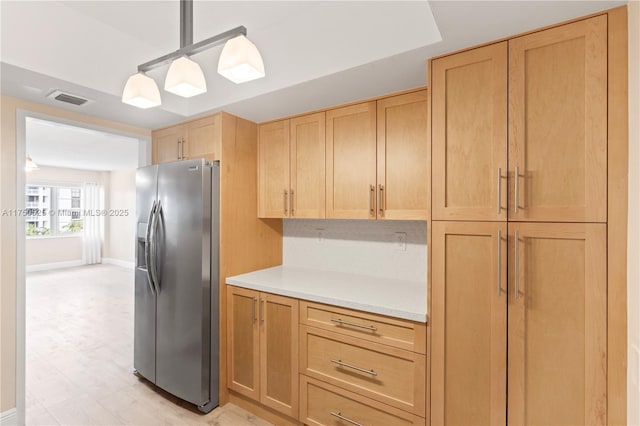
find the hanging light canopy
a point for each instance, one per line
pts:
(239, 62)
(30, 165)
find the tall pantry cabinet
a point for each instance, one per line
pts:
(519, 235)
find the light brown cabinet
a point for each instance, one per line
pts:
(558, 123)
(403, 157)
(325, 404)
(199, 138)
(291, 168)
(468, 323)
(469, 134)
(557, 324)
(556, 336)
(492, 216)
(556, 129)
(351, 162)
(378, 159)
(262, 348)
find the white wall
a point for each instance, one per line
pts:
(633, 280)
(120, 232)
(357, 246)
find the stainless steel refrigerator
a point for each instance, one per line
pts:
(176, 279)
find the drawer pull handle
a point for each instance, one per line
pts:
(346, 419)
(352, 324)
(344, 364)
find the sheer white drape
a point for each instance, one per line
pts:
(91, 232)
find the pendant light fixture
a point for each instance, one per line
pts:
(30, 165)
(240, 61)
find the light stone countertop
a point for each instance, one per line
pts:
(386, 296)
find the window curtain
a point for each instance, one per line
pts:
(91, 232)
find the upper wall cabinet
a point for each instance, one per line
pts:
(291, 169)
(195, 139)
(557, 128)
(469, 136)
(558, 123)
(351, 162)
(403, 157)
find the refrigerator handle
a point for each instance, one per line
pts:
(154, 253)
(147, 248)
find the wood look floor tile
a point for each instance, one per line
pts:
(79, 357)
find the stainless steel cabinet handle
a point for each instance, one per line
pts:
(284, 197)
(354, 367)
(179, 143)
(261, 310)
(346, 419)
(499, 259)
(381, 199)
(515, 266)
(291, 203)
(182, 149)
(372, 190)
(253, 309)
(499, 191)
(352, 324)
(516, 191)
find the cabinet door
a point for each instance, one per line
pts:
(469, 136)
(166, 145)
(279, 353)
(273, 169)
(308, 166)
(403, 157)
(202, 138)
(351, 162)
(468, 323)
(557, 324)
(558, 123)
(243, 346)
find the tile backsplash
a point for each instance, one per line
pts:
(390, 249)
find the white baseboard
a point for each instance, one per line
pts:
(9, 418)
(56, 265)
(118, 262)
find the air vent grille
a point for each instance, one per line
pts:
(68, 98)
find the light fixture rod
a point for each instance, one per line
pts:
(194, 48)
(186, 23)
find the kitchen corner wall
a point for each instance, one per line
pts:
(119, 235)
(358, 247)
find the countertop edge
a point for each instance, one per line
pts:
(381, 310)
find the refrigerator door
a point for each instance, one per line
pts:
(144, 343)
(183, 333)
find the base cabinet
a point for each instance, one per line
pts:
(325, 404)
(262, 348)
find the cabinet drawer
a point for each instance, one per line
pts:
(388, 375)
(322, 403)
(399, 333)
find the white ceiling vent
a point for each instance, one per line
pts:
(68, 98)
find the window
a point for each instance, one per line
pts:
(53, 210)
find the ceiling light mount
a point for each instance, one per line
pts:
(240, 61)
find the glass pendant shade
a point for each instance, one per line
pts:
(30, 165)
(185, 78)
(141, 91)
(240, 60)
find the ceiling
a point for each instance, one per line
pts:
(61, 145)
(316, 53)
